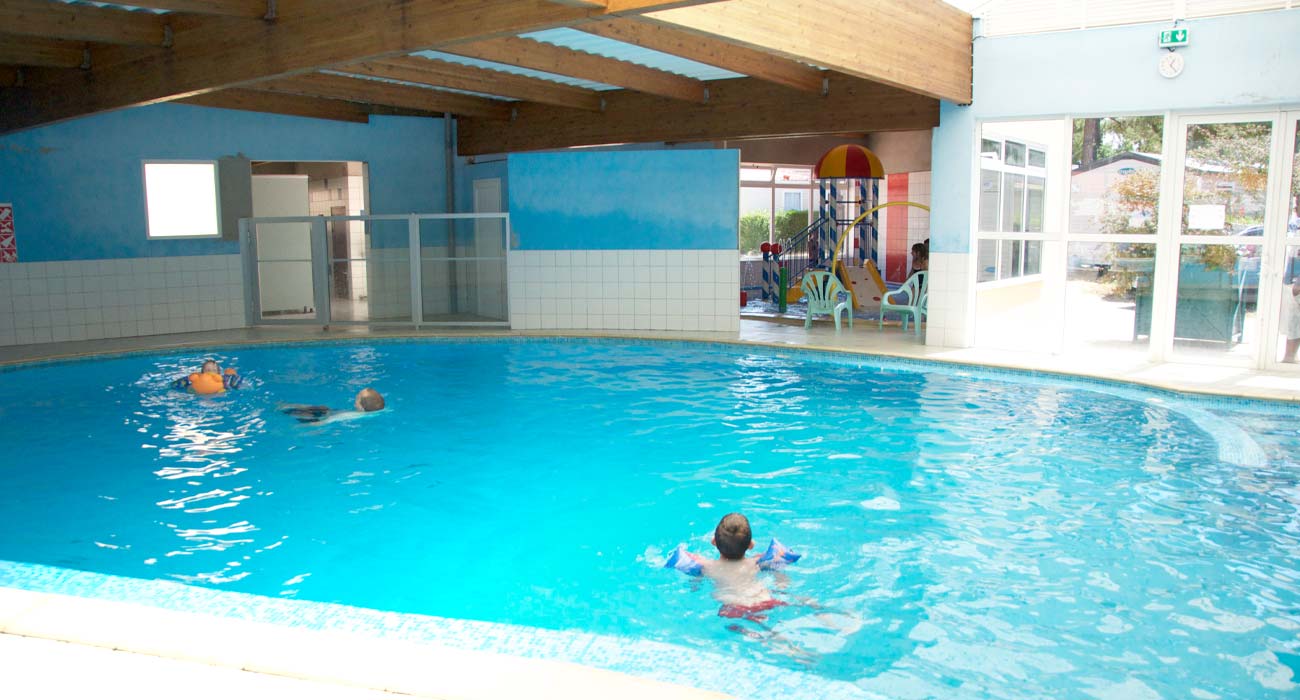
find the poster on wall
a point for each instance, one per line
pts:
(8, 242)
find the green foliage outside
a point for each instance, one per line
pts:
(754, 228)
(788, 223)
(753, 232)
(1103, 137)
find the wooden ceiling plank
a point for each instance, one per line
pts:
(549, 58)
(276, 103)
(219, 55)
(710, 51)
(250, 9)
(342, 87)
(739, 108)
(57, 20)
(923, 46)
(433, 72)
(35, 51)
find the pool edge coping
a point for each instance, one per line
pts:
(333, 657)
(1290, 399)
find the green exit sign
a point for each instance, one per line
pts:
(1173, 37)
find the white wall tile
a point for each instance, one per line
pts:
(89, 299)
(625, 289)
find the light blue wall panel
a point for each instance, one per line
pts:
(621, 200)
(78, 194)
(1233, 62)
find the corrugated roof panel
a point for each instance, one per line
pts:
(515, 70)
(609, 48)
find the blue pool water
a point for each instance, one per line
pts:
(966, 534)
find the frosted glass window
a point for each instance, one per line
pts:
(181, 200)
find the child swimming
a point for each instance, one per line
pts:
(735, 576)
(209, 380)
(367, 401)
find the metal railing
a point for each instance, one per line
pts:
(406, 269)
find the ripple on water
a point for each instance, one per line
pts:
(964, 535)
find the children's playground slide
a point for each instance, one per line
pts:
(864, 283)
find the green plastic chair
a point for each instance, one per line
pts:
(822, 291)
(907, 300)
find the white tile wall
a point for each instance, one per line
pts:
(691, 290)
(950, 312)
(88, 299)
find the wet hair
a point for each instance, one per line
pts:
(732, 536)
(369, 400)
(211, 366)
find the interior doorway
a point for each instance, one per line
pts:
(287, 281)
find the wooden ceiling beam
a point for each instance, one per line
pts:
(615, 7)
(341, 87)
(437, 73)
(549, 58)
(57, 20)
(738, 108)
(924, 46)
(220, 53)
(249, 9)
(710, 51)
(277, 103)
(35, 51)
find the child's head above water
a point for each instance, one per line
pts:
(732, 537)
(369, 400)
(211, 367)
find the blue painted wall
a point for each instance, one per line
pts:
(1237, 61)
(621, 200)
(78, 194)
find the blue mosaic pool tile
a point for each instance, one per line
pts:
(644, 658)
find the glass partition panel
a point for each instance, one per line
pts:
(1115, 175)
(285, 281)
(388, 271)
(349, 295)
(1218, 289)
(1226, 178)
(1108, 297)
(463, 270)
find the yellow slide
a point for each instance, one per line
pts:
(864, 283)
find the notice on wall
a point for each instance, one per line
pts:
(1207, 217)
(8, 241)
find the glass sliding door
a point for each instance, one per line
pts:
(1286, 345)
(1223, 202)
(1114, 203)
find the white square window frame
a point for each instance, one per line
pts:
(216, 198)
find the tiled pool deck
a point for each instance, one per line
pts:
(59, 628)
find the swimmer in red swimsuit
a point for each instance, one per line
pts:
(735, 576)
